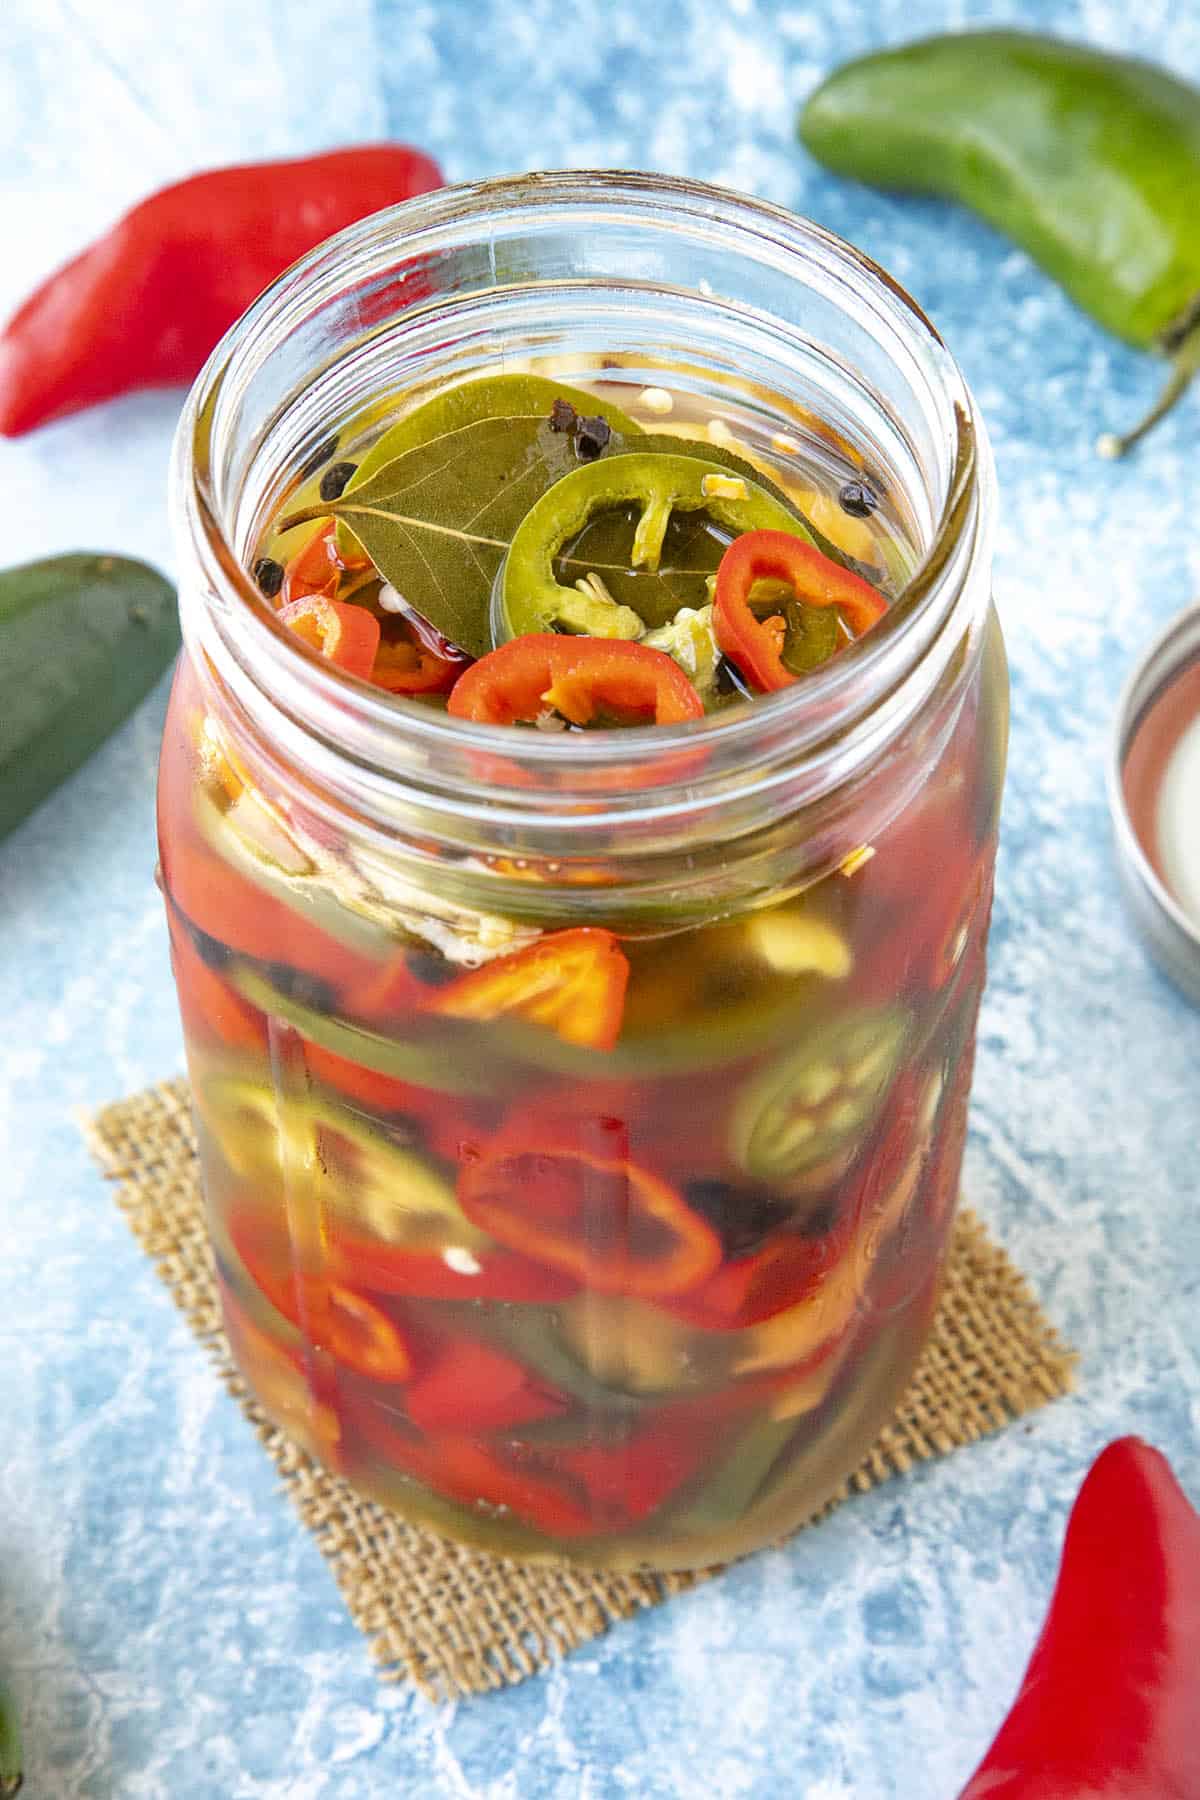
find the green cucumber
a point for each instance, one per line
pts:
(10, 1748)
(83, 639)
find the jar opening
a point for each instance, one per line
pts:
(569, 269)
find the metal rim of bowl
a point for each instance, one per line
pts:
(1170, 934)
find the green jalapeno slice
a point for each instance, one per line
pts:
(814, 1105)
(382, 1186)
(530, 596)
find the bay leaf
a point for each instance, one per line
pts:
(491, 397)
(437, 520)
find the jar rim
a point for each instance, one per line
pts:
(804, 716)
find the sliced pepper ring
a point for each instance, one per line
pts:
(356, 1332)
(565, 1193)
(421, 661)
(814, 1105)
(571, 982)
(756, 645)
(317, 567)
(578, 677)
(531, 597)
(347, 636)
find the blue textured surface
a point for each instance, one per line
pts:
(170, 1629)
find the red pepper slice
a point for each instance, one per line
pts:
(750, 1289)
(1110, 1705)
(346, 635)
(627, 1482)
(279, 1379)
(316, 568)
(419, 660)
(390, 994)
(565, 1193)
(209, 1007)
(461, 1468)
(496, 1274)
(545, 1498)
(755, 645)
(473, 1386)
(572, 982)
(363, 1337)
(356, 1332)
(229, 908)
(377, 1092)
(578, 677)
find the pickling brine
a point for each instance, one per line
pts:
(577, 837)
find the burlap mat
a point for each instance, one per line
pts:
(458, 1621)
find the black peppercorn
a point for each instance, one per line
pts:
(591, 437)
(563, 416)
(333, 481)
(318, 459)
(268, 576)
(858, 499)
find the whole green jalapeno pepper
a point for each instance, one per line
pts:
(531, 598)
(1089, 161)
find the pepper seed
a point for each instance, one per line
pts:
(657, 400)
(333, 481)
(268, 576)
(858, 499)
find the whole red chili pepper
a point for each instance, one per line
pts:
(756, 645)
(1110, 1705)
(145, 304)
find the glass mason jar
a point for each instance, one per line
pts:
(647, 1304)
